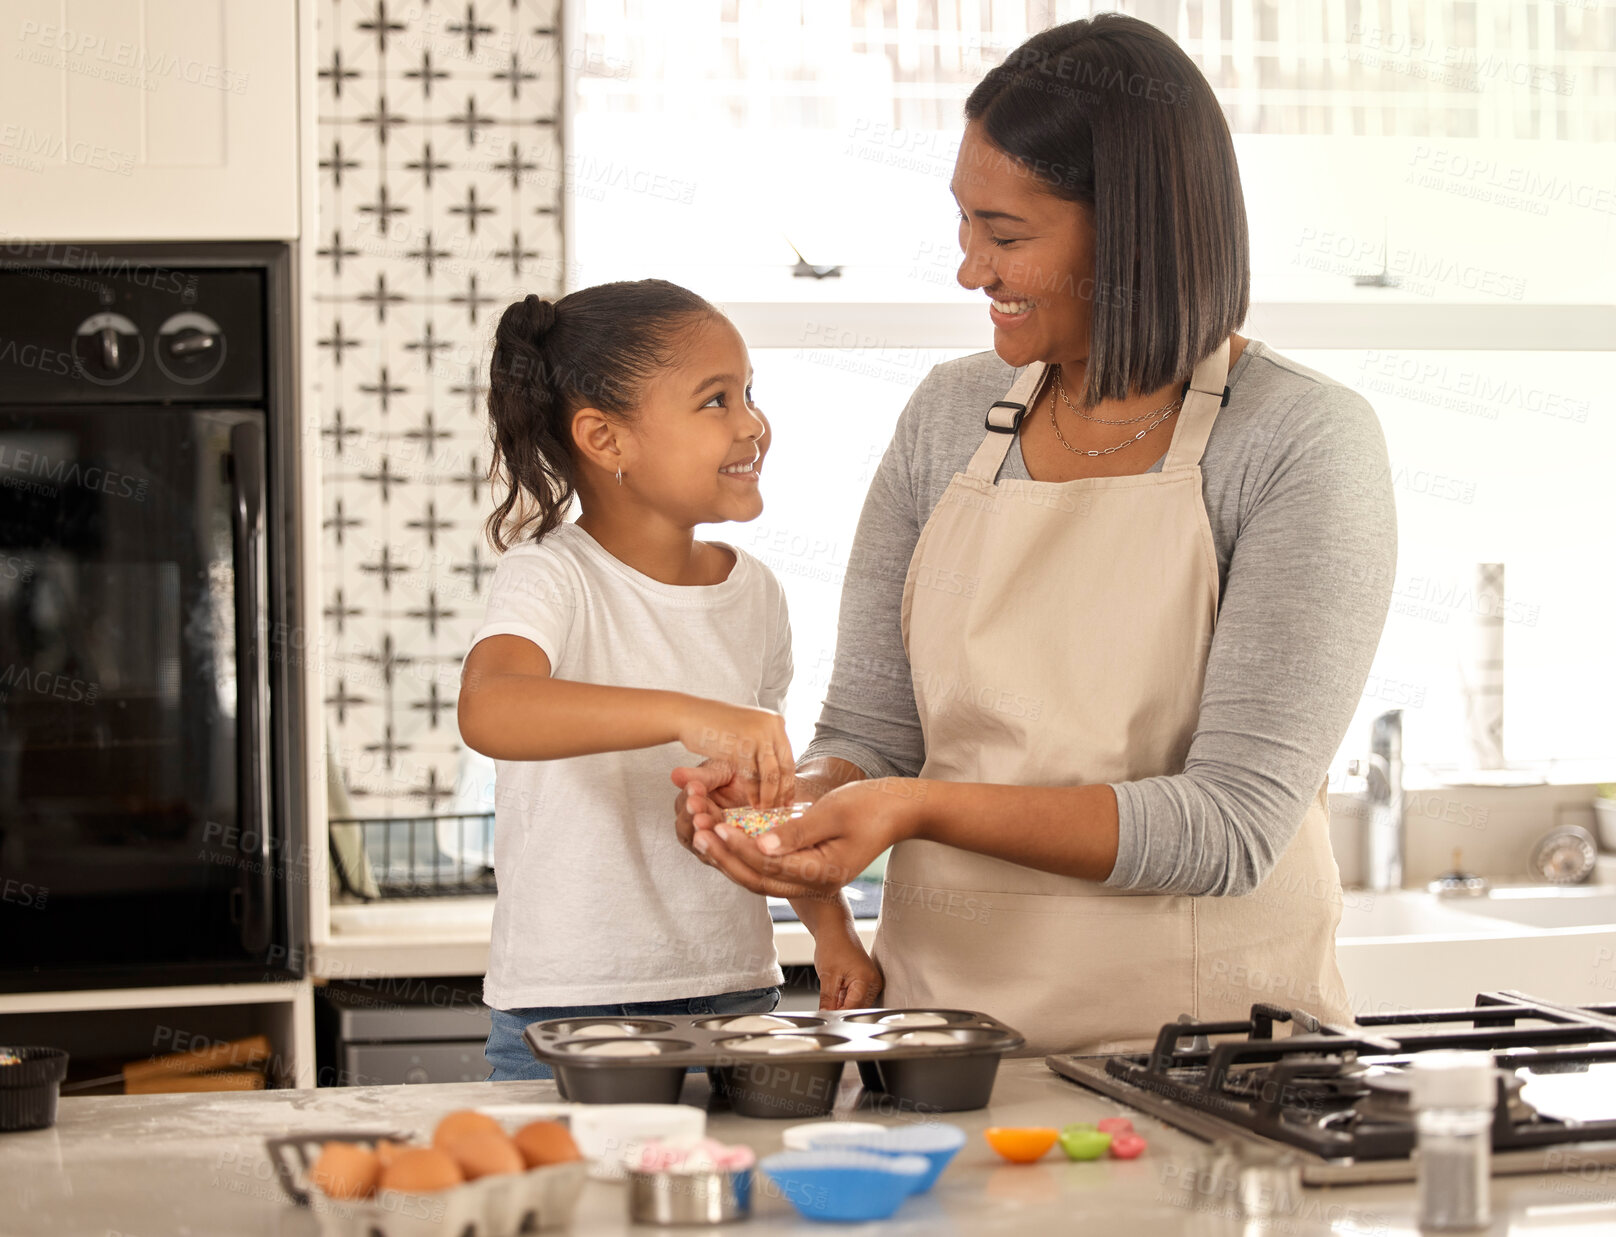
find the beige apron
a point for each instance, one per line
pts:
(1057, 633)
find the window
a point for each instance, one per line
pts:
(1427, 138)
(833, 410)
(1497, 457)
(1430, 210)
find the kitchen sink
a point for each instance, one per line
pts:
(1409, 949)
(1404, 913)
(1548, 908)
(1505, 911)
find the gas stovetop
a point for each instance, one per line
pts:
(1336, 1097)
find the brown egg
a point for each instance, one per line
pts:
(387, 1152)
(464, 1121)
(546, 1142)
(421, 1170)
(481, 1154)
(345, 1170)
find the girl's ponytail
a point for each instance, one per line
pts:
(595, 348)
(531, 460)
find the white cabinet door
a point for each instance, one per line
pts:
(148, 120)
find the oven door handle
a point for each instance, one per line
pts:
(257, 904)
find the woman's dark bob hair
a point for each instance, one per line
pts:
(1109, 112)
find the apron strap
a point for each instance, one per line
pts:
(1201, 403)
(1003, 422)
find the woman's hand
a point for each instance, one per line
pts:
(752, 741)
(848, 976)
(824, 848)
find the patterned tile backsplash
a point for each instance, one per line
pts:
(440, 168)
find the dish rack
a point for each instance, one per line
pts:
(432, 856)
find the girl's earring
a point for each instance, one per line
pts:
(619, 474)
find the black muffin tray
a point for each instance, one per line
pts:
(919, 1076)
(29, 1086)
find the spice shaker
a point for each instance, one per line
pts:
(1454, 1094)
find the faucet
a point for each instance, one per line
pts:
(1383, 833)
(1457, 883)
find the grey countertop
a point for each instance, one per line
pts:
(158, 1166)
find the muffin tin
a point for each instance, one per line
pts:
(29, 1086)
(949, 1066)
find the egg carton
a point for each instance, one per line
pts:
(929, 1060)
(502, 1205)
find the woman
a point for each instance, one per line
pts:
(1114, 596)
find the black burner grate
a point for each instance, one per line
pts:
(1331, 1090)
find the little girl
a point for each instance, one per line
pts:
(613, 646)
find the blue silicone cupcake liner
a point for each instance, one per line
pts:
(844, 1185)
(936, 1144)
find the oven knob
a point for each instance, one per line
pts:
(190, 347)
(107, 348)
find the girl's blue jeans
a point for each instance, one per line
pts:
(514, 1061)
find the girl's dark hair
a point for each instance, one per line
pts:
(594, 348)
(1109, 111)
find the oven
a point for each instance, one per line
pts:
(151, 826)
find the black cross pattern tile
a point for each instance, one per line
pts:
(439, 190)
(422, 156)
(426, 347)
(334, 341)
(477, 204)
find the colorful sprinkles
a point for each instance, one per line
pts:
(754, 821)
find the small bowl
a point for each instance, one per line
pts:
(1021, 1144)
(605, 1132)
(801, 1137)
(936, 1144)
(29, 1087)
(844, 1185)
(755, 822)
(711, 1197)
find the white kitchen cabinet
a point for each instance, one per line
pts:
(135, 1023)
(156, 120)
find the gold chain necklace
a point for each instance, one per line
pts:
(1060, 389)
(1164, 412)
(1126, 442)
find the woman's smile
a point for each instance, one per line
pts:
(1009, 312)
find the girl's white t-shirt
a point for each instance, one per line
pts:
(598, 902)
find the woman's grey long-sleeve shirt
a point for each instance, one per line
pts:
(1298, 489)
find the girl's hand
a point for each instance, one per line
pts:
(753, 741)
(704, 793)
(848, 976)
(824, 848)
